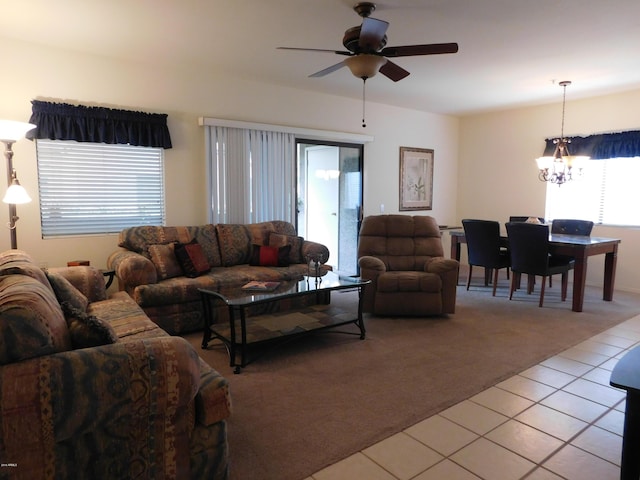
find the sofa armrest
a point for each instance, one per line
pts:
(132, 269)
(88, 280)
(115, 391)
(314, 249)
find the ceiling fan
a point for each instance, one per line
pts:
(367, 52)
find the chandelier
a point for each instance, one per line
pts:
(560, 167)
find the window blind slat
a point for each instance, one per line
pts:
(88, 188)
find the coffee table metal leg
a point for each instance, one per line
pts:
(360, 321)
(206, 313)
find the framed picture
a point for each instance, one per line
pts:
(416, 178)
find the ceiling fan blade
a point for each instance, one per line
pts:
(338, 52)
(372, 34)
(393, 71)
(328, 70)
(411, 50)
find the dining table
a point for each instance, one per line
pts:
(580, 247)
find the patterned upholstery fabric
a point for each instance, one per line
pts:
(31, 320)
(131, 409)
(88, 280)
(293, 242)
(175, 303)
(87, 330)
(164, 258)
(65, 292)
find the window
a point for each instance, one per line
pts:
(97, 188)
(606, 193)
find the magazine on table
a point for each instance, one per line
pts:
(259, 286)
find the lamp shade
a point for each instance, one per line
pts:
(16, 194)
(365, 65)
(544, 162)
(12, 131)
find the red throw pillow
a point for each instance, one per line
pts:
(192, 259)
(266, 256)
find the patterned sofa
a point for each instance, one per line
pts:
(91, 388)
(148, 268)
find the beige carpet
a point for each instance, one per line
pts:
(324, 397)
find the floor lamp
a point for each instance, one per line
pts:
(10, 132)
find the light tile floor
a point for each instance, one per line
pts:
(557, 420)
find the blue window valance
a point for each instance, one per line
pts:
(62, 121)
(601, 146)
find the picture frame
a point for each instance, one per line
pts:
(416, 178)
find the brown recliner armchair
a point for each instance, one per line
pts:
(403, 257)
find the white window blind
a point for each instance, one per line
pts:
(95, 188)
(606, 193)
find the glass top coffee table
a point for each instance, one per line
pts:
(256, 317)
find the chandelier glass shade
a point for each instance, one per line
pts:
(560, 167)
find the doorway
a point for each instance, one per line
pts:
(329, 193)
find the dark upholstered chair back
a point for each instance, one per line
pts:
(402, 242)
(529, 247)
(483, 243)
(572, 227)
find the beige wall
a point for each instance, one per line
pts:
(484, 164)
(48, 74)
(498, 174)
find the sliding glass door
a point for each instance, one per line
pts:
(329, 198)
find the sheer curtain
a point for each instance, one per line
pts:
(250, 175)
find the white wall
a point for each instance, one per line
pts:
(33, 72)
(498, 174)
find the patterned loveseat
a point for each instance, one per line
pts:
(148, 268)
(91, 388)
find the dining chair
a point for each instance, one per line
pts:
(485, 249)
(525, 218)
(571, 226)
(529, 250)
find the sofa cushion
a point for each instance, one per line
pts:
(87, 330)
(235, 244)
(164, 259)
(65, 292)
(266, 256)
(294, 242)
(31, 320)
(207, 237)
(409, 281)
(192, 259)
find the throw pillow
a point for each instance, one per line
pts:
(66, 292)
(267, 256)
(87, 330)
(295, 244)
(192, 259)
(164, 258)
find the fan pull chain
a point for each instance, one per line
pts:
(364, 82)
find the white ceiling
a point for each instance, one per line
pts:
(511, 51)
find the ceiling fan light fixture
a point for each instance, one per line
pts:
(365, 65)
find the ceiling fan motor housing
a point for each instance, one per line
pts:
(351, 41)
